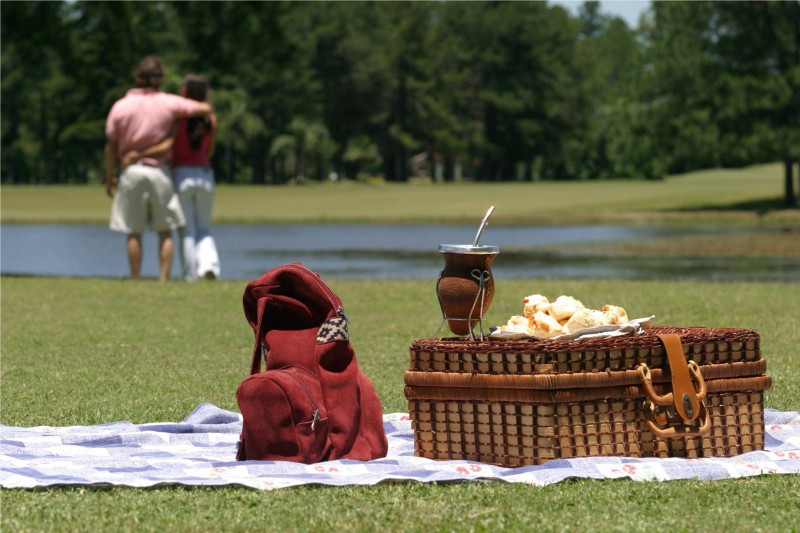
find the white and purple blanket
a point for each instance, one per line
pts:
(201, 449)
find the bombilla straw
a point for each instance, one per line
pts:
(483, 225)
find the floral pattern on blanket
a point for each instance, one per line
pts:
(201, 450)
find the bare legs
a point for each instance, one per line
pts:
(135, 255)
(165, 251)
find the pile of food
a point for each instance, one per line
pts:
(542, 319)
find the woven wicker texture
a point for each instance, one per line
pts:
(509, 416)
(702, 345)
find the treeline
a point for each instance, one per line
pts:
(488, 91)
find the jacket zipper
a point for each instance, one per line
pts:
(315, 411)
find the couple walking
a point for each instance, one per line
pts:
(152, 135)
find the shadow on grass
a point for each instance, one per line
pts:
(761, 207)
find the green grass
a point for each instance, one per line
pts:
(745, 505)
(745, 196)
(94, 351)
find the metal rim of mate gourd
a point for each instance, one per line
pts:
(468, 249)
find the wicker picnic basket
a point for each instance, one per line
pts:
(526, 402)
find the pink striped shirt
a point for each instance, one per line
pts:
(143, 118)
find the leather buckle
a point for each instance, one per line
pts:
(665, 424)
(681, 412)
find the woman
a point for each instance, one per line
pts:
(194, 182)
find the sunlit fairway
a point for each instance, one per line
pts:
(743, 196)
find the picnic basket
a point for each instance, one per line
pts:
(526, 402)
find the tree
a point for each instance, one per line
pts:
(726, 83)
(35, 87)
(306, 148)
(367, 59)
(759, 46)
(617, 143)
(515, 85)
(491, 90)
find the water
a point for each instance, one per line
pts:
(377, 251)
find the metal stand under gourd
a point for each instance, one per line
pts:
(481, 276)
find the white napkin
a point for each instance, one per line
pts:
(632, 328)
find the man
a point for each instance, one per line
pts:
(140, 120)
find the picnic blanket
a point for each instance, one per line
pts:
(200, 450)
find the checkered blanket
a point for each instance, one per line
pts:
(201, 449)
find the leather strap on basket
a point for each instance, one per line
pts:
(684, 400)
(684, 396)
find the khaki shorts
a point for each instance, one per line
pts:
(145, 199)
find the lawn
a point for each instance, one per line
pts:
(92, 351)
(73, 353)
(750, 196)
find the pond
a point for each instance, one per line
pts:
(379, 251)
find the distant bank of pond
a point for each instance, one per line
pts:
(380, 251)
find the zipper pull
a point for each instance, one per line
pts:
(314, 419)
(340, 309)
